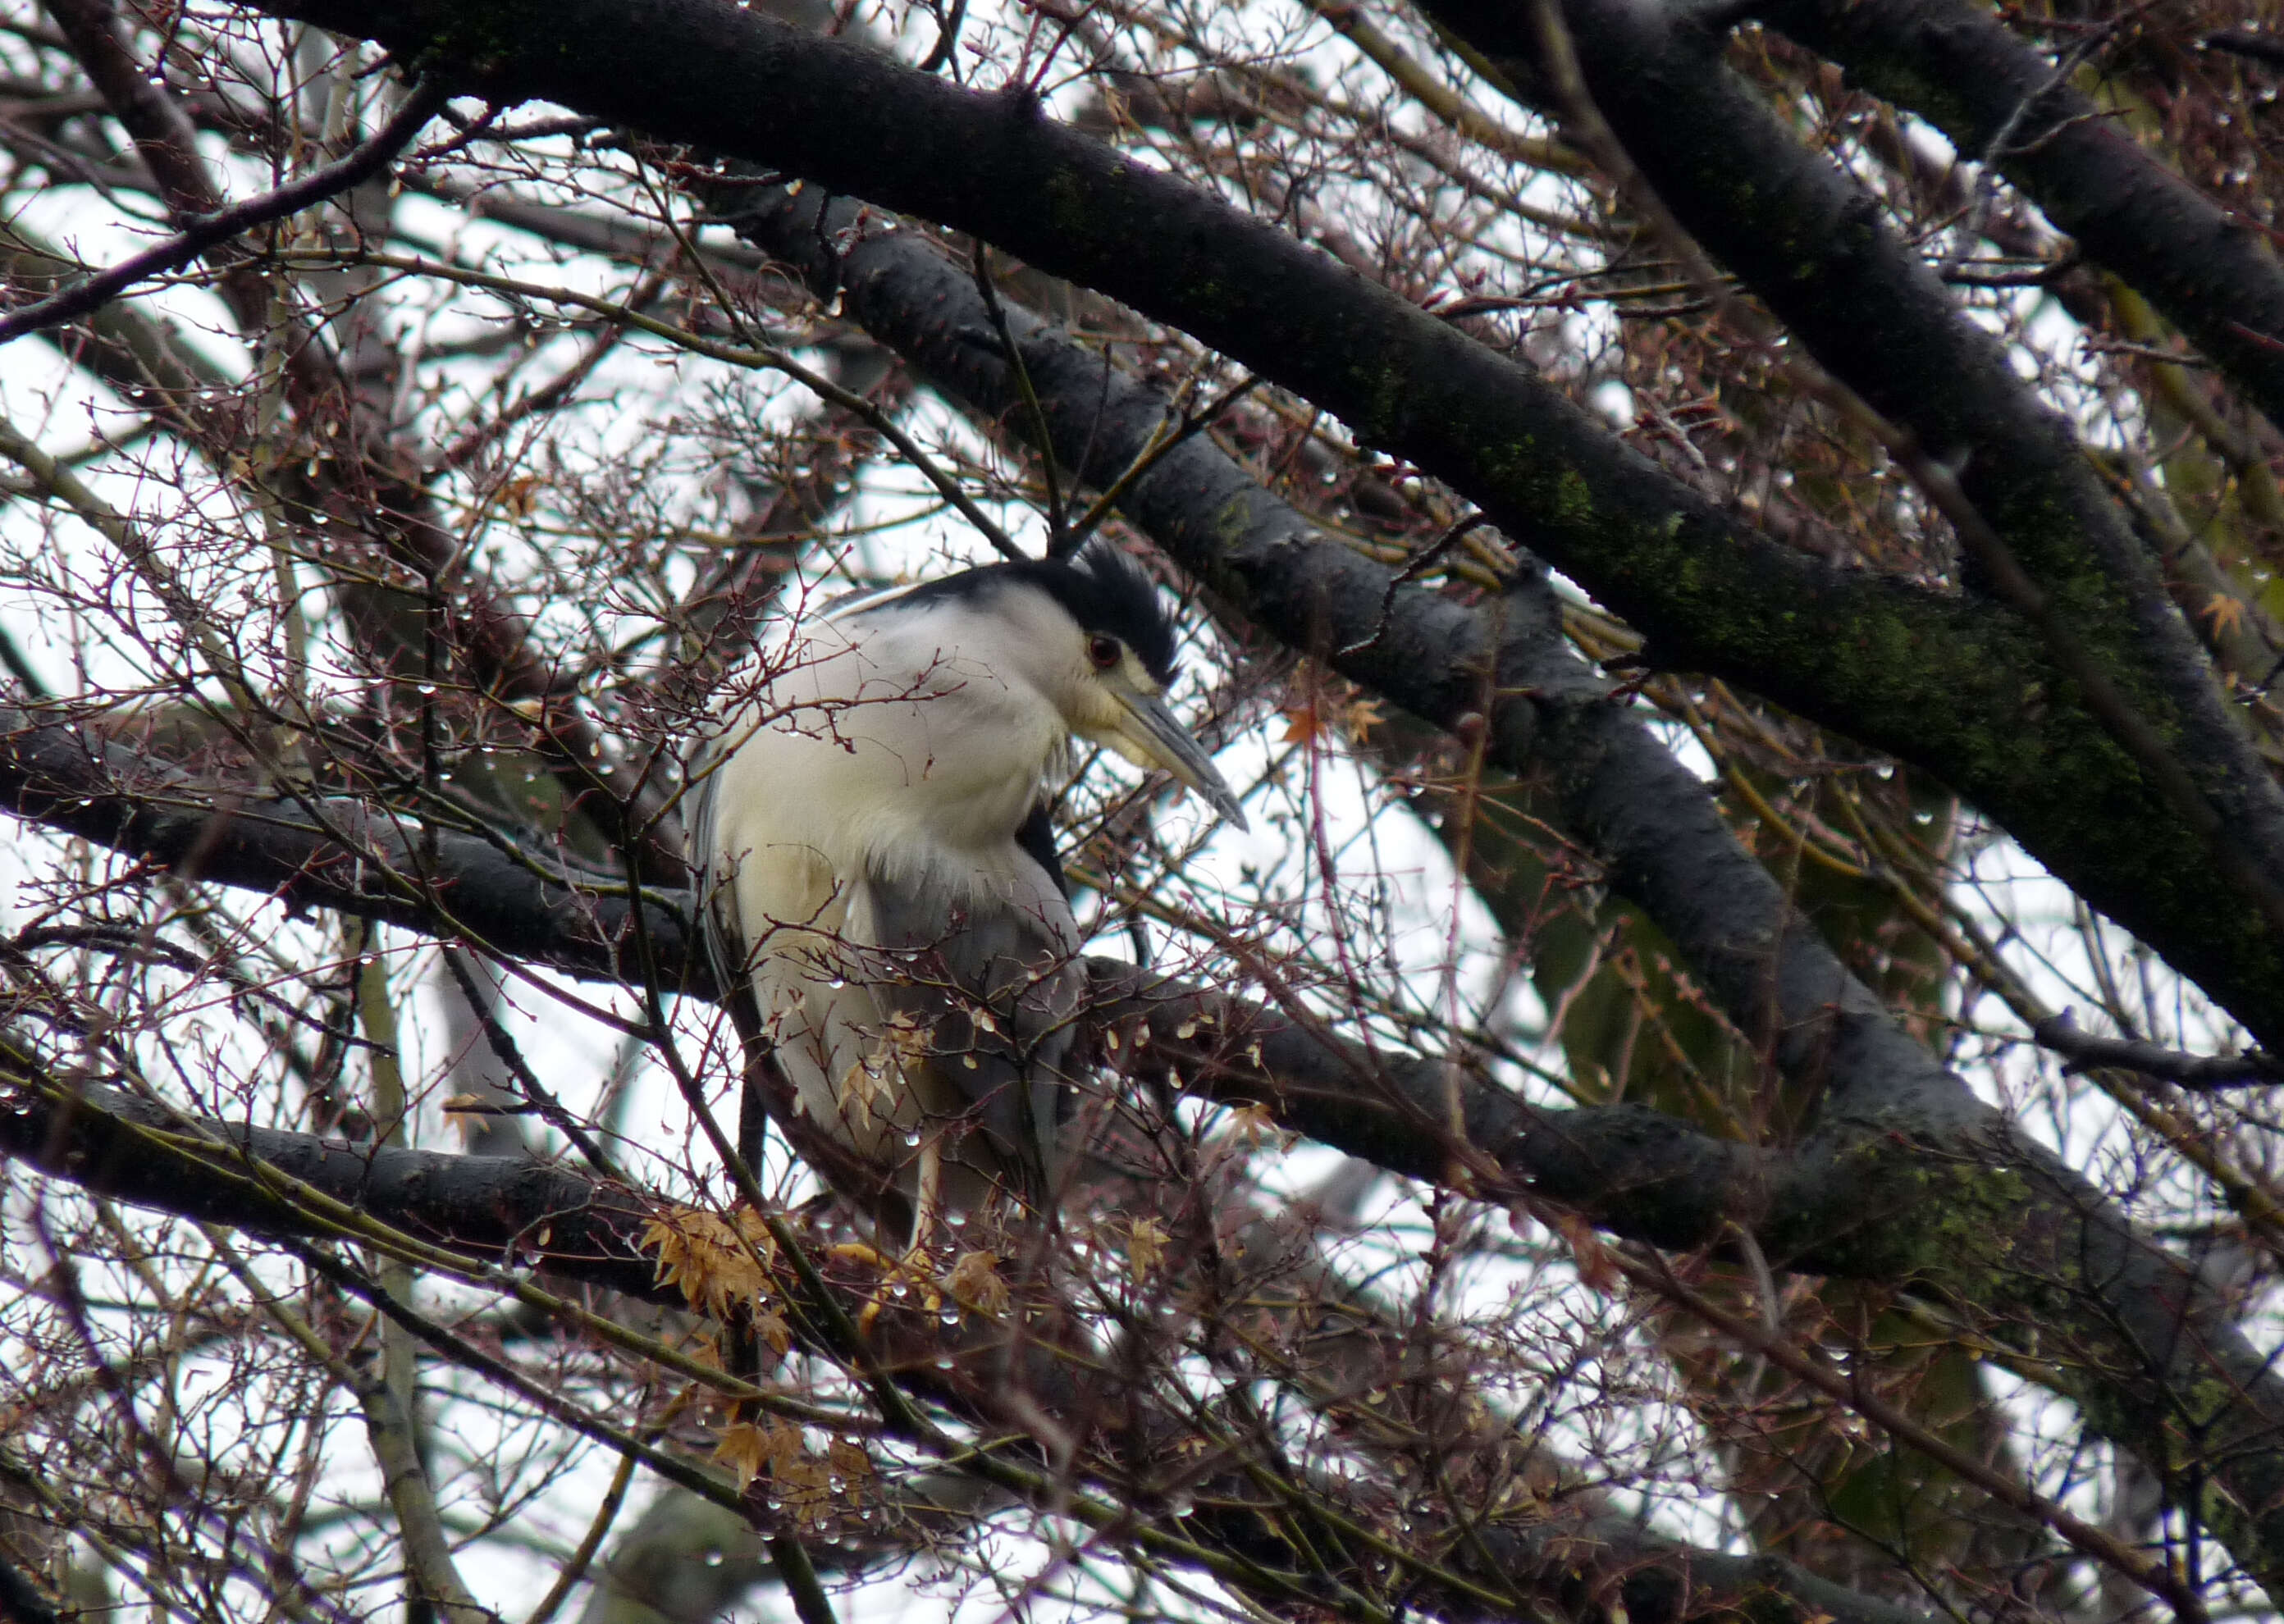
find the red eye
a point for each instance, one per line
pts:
(1105, 651)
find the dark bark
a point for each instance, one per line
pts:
(318, 852)
(1961, 689)
(510, 1210)
(2086, 1050)
(1812, 244)
(1637, 1172)
(2211, 273)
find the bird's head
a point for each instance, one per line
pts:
(1116, 696)
(1092, 636)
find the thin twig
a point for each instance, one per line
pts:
(1848, 1388)
(210, 230)
(1059, 542)
(946, 42)
(608, 1513)
(757, 356)
(1993, 154)
(550, 1109)
(1410, 571)
(1193, 424)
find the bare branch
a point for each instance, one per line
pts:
(210, 231)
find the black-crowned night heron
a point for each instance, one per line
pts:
(870, 831)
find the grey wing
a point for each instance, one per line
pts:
(996, 987)
(721, 933)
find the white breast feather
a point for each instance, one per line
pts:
(878, 750)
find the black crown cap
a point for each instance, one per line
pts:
(1103, 589)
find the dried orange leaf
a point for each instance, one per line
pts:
(849, 1463)
(773, 1330)
(1251, 1123)
(745, 1449)
(1303, 723)
(975, 1282)
(2227, 615)
(713, 1264)
(1146, 1245)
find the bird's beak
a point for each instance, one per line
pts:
(1149, 735)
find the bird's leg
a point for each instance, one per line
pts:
(914, 1267)
(927, 1205)
(927, 1214)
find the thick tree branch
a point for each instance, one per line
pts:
(1642, 1175)
(579, 1229)
(2213, 274)
(331, 853)
(1812, 244)
(2085, 1050)
(1975, 702)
